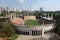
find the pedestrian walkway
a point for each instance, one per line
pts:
(40, 37)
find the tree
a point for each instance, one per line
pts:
(57, 18)
(7, 29)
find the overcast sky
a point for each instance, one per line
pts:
(47, 5)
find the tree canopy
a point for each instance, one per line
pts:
(6, 29)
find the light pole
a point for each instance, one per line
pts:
(22, 2)
(30, 5)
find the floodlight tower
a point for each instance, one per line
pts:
(22, 4)
(29, 7)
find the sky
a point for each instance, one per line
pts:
(47, 5)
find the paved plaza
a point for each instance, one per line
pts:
(40, 37)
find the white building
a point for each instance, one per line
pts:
(1, 9)
(8, 9)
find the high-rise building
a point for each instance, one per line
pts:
(2, 9)
(41, 9)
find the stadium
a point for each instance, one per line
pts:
(32, 26)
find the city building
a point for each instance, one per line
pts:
(2, 9)
(8, 9)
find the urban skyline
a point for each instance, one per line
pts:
(47, 5)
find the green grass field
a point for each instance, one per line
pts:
(31, 23)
